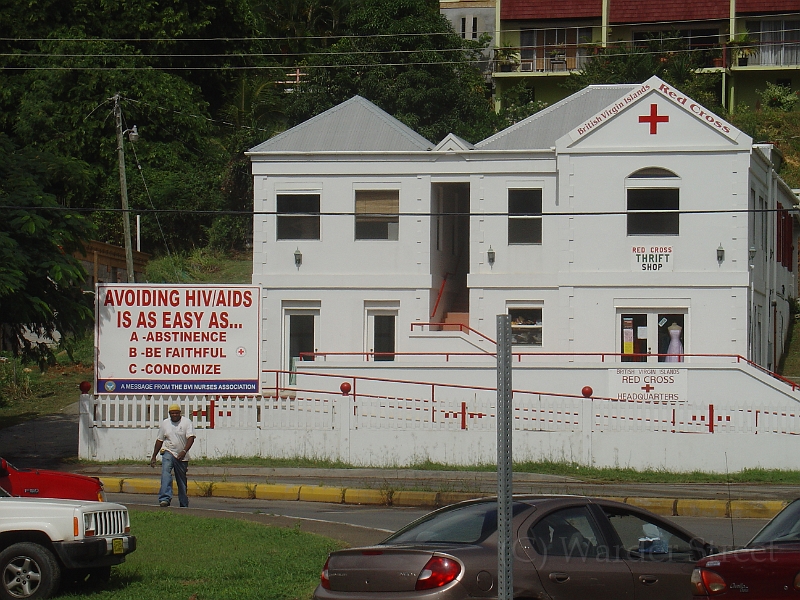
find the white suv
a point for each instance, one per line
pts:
(43, 541)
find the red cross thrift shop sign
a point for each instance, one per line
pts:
(651, 259)
(177, 339)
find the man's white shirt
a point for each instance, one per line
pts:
(175, 435)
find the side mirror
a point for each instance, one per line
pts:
(710, 549)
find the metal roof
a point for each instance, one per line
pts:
(541, 130)
(355, 125)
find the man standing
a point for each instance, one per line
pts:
(175, 437)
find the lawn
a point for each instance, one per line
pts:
(182, 556)
(27, 393)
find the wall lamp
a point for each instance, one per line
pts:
(298, 258)
(752, 253)
(490, 255)
(720, 254)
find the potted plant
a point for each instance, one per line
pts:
(508, 58)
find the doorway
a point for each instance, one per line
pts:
(652, 336)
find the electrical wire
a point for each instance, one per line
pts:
(749, 16)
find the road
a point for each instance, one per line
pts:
(356, 524)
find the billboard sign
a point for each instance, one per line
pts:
(177, 339)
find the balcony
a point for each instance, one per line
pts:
(566, 58)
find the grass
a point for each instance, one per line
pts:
(565, 469)
(201, 266)
(184, 556)
(790, 365)
(27, 393)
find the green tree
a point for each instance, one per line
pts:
(404, 56)
(40, 279)
(668, 56)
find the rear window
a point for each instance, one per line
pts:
(470, 524)
(784, 528)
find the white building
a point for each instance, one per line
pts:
(542, 220)
(625, 224)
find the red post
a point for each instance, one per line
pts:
(710, 418)
(212, 410)
(463, 415)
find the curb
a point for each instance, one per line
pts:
(739, 509)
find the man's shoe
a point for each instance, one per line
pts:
(163, 504)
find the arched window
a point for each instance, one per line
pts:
(653, 202)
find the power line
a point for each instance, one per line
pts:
(336, 37)
(181, 211)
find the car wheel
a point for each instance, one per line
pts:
(29, 571)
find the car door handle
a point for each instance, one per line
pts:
(559, 577)
(648, 579)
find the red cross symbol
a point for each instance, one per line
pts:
(653, 118)
(241, 351)
(648, 388)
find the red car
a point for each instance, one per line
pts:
(767, 568)
(38, 483)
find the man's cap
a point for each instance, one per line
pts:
(174, 407)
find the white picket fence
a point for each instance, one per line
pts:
(455, 425)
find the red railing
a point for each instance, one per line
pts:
(519, 356)
(439, 297)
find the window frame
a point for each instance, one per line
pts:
(517, 217)
(297, 219)
(388, 219)
(529, 329)
(659, 182)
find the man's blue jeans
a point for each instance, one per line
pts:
(169, 464)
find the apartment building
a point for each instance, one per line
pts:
(749, 42)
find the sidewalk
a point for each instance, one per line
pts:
(52, 442)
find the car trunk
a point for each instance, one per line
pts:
(376, 569)
(762, 572)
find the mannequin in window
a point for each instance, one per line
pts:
(675, 348)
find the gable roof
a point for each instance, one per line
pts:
(453, 143)
(541, 130)
(355, 125)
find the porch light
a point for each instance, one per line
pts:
(490, 255)
(752, 253)
(720, 254)
(298, 258)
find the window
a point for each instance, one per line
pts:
(298, 217)
(526, 326)
(524, 216)
(568, 532)
(653, 223)
(644, 539)
(377, 214)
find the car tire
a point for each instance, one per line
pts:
(28, 571)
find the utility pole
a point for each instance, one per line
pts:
(123, 190)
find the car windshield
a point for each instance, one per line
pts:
(784, 528)
(470, 524)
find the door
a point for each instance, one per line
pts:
(383, 337)
(660, 558)
(572, 557)
(652, 336)
(301, 341)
